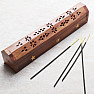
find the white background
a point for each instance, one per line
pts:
(20, 17)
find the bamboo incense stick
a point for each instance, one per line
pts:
(68, 64)
(53, 60)
(75, 59)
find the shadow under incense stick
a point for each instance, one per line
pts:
(83, 68)
(75, 59)
(52, 60)
(68, 64)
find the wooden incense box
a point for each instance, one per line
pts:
(27, 49)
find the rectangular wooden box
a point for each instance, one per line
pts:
(27, 49)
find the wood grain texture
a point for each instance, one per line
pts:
(27, 49)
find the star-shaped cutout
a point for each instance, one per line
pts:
(77, 26)
(33, 57)
(58, 40)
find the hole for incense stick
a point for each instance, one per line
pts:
(54, 30)
(73, 17)
(60, 18)
(19, 43)
(69, 12)
(40, 30)
(25, 49)
(74, 9)
(33, 44)
(78, 13)
(49, 25)
(43, 36)
(27, 38)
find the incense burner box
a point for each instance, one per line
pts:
(27, 49)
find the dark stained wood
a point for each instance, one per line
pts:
(29, 48)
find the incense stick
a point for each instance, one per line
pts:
(68, 64)
(53, 60)
(83, 68)
(75, 59)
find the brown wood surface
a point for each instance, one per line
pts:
(26, 50)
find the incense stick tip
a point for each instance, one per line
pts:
(88, 37)
(74, 42)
